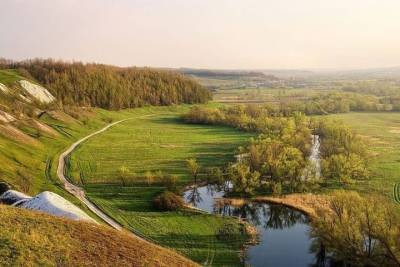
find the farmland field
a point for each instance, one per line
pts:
(382, 132)
(155, 139)
(265, 95)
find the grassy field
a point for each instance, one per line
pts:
(382, 131)
(265, 95)
(156, 139)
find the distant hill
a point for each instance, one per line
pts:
(227, 74)
(370, 73)
(110, 87)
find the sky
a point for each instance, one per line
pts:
(217, 34)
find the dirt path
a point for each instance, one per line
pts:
(76, 190)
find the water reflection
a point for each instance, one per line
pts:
(282, 231)
(193, 196)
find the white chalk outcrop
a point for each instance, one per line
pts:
(11, 196)
(48, 202)
(25, 98)
(5, 117)
(37, 91)
(3, 88)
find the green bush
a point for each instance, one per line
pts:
(168, 201)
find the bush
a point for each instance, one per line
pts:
(227, 231)
(168, 201)
(169, 181)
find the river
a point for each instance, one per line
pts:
(284, 238)
(284, 233)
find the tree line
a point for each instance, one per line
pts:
(110, 87)
(339, 102)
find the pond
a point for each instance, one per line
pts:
(284, 233)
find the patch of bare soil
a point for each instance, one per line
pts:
(5, 117)
(395, 130)
(61, 116)
(170, 146)
(13, 133)
(307, 203)
(44, 128)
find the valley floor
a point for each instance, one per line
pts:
(155, 139)
(382, 132)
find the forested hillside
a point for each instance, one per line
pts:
(110, 87)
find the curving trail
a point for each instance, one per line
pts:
(76, 190)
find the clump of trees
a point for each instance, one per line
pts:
(168, 201)
(278, 155)
(344, 154)
(364, 231)
(110, 87)
(276, 160)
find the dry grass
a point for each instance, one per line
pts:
(43, 128)
(15, 134)
(307, 203)
(35, 239)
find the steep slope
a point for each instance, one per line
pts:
(54, 204)
(37, 239)
(33, 133)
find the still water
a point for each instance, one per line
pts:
(284, 238)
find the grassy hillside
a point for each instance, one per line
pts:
(10, 76)
(34, 239)
(382, 131)
(156, 139)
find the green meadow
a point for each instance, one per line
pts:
(156, 139)
(382, 133)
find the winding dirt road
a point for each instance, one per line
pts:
(76, 190)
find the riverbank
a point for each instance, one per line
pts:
(309, 204)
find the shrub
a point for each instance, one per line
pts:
(227, 231)
(169, 181)
(168, 201)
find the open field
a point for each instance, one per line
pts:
(156, 139)
(189, 232)
(265, 95)
(382, 131)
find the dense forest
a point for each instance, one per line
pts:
(110, 87)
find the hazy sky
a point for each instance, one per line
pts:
(205, 33)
